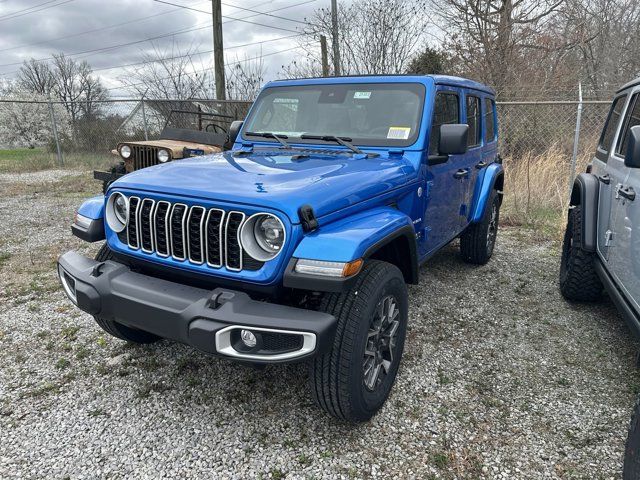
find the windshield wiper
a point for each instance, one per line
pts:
(344, 141)
(276, 136)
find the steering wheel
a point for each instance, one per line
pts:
(215, 128)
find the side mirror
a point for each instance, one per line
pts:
(632, 156)
(234, 130)
(453, 139)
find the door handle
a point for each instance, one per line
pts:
(463, 172)
(627, 192)
(606, 179)
(481, 165)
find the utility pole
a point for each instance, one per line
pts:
(325, 57)
(218, 49)
(334, 34)
(55, 132)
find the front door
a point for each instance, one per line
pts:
(624, 255)
(443, 183)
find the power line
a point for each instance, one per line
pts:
(206, 69)
(88, 31)
(176, 32)
(227, 17)
(88, 53)
(28, 8)
(13, 15)
(264, 13)
(194, 53)
(102, 49)
(246, 9)
(109, 27)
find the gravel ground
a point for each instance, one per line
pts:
(501, 378)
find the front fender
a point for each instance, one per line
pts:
(88, 224)
(93, 208)
(359, 236)
(487, 180)
(349, 238)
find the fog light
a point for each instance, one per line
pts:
(248, 338)
(68, 284)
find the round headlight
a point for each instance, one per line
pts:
(125, 151)
(117, 212)
(163, 156)
(263, 236)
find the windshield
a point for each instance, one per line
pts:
(375, 114)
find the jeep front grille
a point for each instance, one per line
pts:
(194, 234)
(144, 156)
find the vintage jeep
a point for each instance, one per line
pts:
(181, 137)
(601, 248)
(297, 245)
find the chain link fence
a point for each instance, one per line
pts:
(87, 133)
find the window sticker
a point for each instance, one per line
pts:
(362, 95)
(399, 133)
(286, 100)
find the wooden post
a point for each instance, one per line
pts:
(325, 57)
(218, 49)
(334, 34)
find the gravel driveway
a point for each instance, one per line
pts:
(501, 378)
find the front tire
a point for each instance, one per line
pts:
(478, 241)
(579, 280)
(116, 329)
(353, 379)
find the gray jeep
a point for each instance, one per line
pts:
(601, 248)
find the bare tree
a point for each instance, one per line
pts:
(376, 36)
(76, 87)
(169, 74)
(244, 77)
(69, 82)
(605, 35)
(36, 77)
(495, 41)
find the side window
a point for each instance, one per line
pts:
(632, 119)
(446, 111)
(489, 120)
(611, 125)
(473, 119)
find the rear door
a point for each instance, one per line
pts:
(624, 255)
(610, 170)
(473, 157)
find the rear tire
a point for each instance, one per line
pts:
(631, 470)
(116, 329)
(579, 280)
(478, 241)
(353, 379)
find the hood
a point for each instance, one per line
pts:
(327, 182)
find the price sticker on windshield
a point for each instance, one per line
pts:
(399, 133)
(362, 95)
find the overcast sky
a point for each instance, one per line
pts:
(39, 28)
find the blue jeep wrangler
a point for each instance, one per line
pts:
(298, 244)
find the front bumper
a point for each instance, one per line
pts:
(208, 320)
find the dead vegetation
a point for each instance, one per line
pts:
(536, 190)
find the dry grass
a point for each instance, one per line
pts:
(20, 160)
(536, 190)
